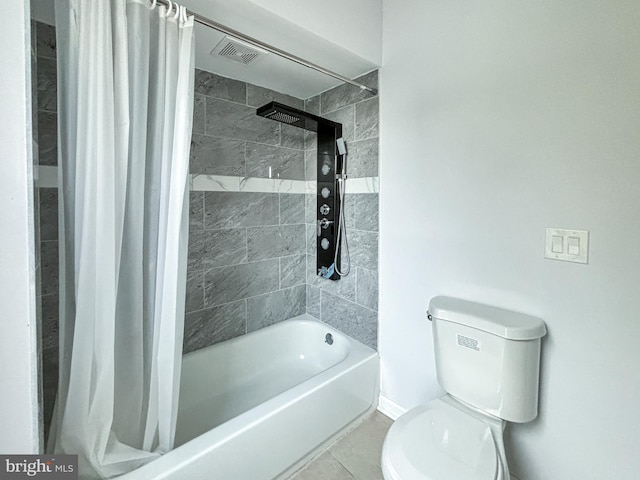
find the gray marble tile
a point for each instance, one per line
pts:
(311, 164)
(49, 258)
(293, 270)
(356, 321)
(216, 156)
(361, 449)
(325, 467)
(349, 207)
(258, 96)
(312, 274)
(47, 84)
(367, 288)
(50, 362)
(216, 248)
(310, 205)
(213, 325)
(34, 99)
(291, 137)
(50, 317)
(266, 161)
(347, 117)
(291, 208)
(363, 158)
(199, 102)
(265, 310)
(310, 140)
(312, 238)
(33, 37)
(313, 301)
(195, 291)
(45, 40)
(312, 105)
(47, 138)
(276, 241)
(366, 212)
(48, 214)
(36, 237)
(347, 94)
(363, 247)
(232, 120)
(196, 211)
(218, 86)
(228, 284)
(367, 119)
(240, 209)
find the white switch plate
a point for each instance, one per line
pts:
(567, 245)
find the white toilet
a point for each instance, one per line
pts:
(487, 360)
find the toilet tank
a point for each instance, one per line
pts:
(488, 357)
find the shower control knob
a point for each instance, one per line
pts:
(325, 169)
(325, 209)
(325, 192)
(323, 224)
(324, 243)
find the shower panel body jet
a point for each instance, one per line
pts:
(329, 163)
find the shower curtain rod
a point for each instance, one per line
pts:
(269, 48)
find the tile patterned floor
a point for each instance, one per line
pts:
(356, 456)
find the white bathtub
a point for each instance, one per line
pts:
(253, 407)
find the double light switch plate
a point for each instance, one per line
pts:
(567, 245)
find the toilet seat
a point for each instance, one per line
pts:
(442, 440)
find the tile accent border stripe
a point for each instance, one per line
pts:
(48, 178)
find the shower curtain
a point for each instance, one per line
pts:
(125, 99)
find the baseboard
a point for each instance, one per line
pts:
(390, 408)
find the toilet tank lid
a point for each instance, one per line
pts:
(498, 321)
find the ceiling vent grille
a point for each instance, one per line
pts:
(238, 51)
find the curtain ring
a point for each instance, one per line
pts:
(153, 4)
(183, 16)
(169, 8)
(178, 7)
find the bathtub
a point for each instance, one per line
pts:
(256, 406)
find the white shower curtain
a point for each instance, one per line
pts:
(125, 80)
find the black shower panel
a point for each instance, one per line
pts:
(328, 164)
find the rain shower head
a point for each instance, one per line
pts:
(292, 116)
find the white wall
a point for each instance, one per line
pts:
(498, 119)
(355, 25)
(19, 430)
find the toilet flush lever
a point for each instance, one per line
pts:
(429, 317)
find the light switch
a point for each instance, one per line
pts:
(573, 245)
(567, 245)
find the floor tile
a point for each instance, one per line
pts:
(355, 456)
(361, 449)
(325, 467)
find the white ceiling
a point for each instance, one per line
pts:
(270, 71)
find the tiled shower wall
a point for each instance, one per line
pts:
(47, 134)
(246, 249)
(251, 252)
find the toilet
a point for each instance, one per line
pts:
(487, 361)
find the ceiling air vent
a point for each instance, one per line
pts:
(238, 51)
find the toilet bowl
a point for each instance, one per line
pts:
(444, 439)
(487, 361)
